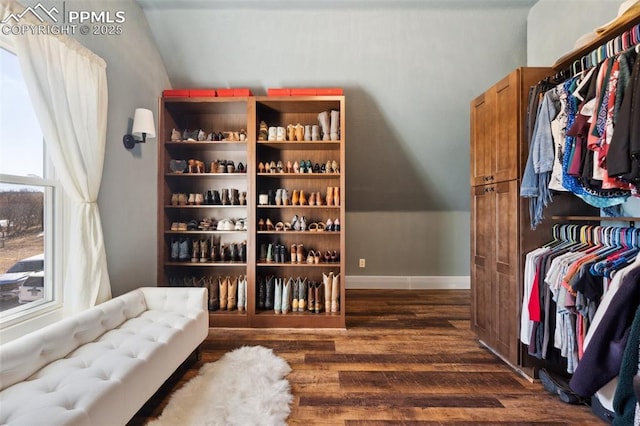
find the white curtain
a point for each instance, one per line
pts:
(67, 84)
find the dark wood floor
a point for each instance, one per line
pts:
(406, 358)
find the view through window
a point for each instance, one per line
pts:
(26, 198)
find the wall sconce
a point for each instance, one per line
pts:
(143, 126)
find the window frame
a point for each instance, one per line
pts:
(22, 319)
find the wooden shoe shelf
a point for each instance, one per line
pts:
(232, 114)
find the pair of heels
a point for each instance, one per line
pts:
(226, 166)
(299, 223)
(333, 225)
(267, 225)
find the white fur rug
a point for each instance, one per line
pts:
(244, 387)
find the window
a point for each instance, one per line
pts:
(28, 203)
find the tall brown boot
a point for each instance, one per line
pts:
(214, 291)
(318, 294)
(232, 296)
(311, 297)
(335, 293)
(329, 197)
(224, 288)
(327, 281)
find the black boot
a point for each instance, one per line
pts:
(214, 291)
(216, 198)
(242, 252)
(269, 294)
(262, 290)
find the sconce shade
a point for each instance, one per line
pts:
(143, 123)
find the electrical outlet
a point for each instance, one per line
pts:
(362, 263)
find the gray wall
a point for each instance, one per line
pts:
(409, 70)
(555, 25)
(136, 77)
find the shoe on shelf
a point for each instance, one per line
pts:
(299, 132)
(175, 250)
(263, 132)
(272, 134)
(311, 297)
(329, 197)
(291, 132)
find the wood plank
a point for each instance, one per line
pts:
(407, 357)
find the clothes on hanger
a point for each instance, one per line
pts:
(564, 283)
(586, 137)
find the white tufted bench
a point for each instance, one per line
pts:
(100, 366)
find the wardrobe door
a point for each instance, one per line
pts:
(482, 240)
(482, 137)
(505, 268)
(504, 158)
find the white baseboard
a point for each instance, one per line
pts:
(408, 283)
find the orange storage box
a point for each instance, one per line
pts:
(241, 91)
(278, 92)
(304, 91)
(175, 93)
(329, 91)
(202, 93)
(224, 92)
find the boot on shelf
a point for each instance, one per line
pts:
(318, 297)
(214, 290)
(315, 132)
(262, 293)
(324, 120)
(329, 197)
(225, 197)
(335, 125)
(277, 296)
(302, 294)
(223, 286)
(335, 293)
(242, 282)
(195, 251)
(286, 296)
(327, 281)
(269, 294)
(235, 197)
(336, 195)
(295, 292)
(244, 292)
(232, 296)
(204, 251)
(299, 132)
(311, 297)
(291, 132)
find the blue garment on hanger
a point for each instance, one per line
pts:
(537, 173)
